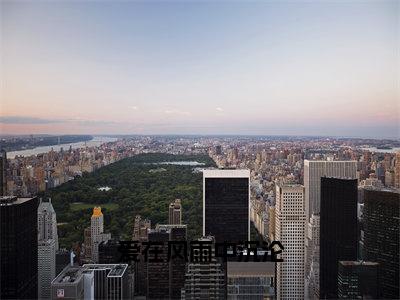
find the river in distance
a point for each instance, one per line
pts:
(96, 141)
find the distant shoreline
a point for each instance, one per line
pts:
(29, 143)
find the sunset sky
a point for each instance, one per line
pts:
(273, 68)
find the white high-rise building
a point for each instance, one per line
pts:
(314, 170)
(47, 222)
(47, 246)
(312, 258)
(97, 232)
(46, 267)
(290, 226)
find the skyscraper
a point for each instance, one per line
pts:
(175, 212)
(290, 224)
(158, 268)
(108, 252)
(358, 280)
(97, 232)
(111, 281)
(177, 265)
(47, 247)
(3, 173)
(314, 170)
(46, 267)
(338, 231)
(140, 228)
(381, 237)
(18, 248)
(204, 279)
(226, 205)
(312, 257)
(47, 222)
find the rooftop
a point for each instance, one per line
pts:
(226, 173)
(70, 275)
(12, 200)
(358, 263)
(116, 270)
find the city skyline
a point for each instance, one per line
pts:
(257, 68)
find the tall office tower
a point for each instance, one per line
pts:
(62, 259)
(158, 268)
(87, 249)
(338, 230)
(204, 279)
(47, 247)
(381, 237)
(314, 170)
(358, 280)
(47, 222)
(177, 265)
(250, 280)
(397, 170)
(226, 205)
(97, 232)
(290, 225)
(140, 228)
(3, 174)
(46, 267)
(271, 225)
(108, 252)
(175, 212)
(111, 281)
(312, 257)
(18, 247)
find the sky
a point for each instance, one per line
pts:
(200, 67)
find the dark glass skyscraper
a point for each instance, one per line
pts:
(381, 237)
(358, 280)
(338, 230)
(18, 248)
(158, 267)
(226, 205)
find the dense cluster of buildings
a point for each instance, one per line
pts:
(335, 210)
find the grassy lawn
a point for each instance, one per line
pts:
(76, 206)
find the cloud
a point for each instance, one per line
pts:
(133, 107)
(177, 112)
(27, 120)
(84, 122)
(220, 111)
(38, 121)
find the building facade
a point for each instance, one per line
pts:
(338, 230)
(47, 247)
(314, 170)
(19, 245)
(290, 225)
(250, 280)
(97, 232)
(175, 212)
(226, 205)
(204, 279)
(358, 280)
(381, 237)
